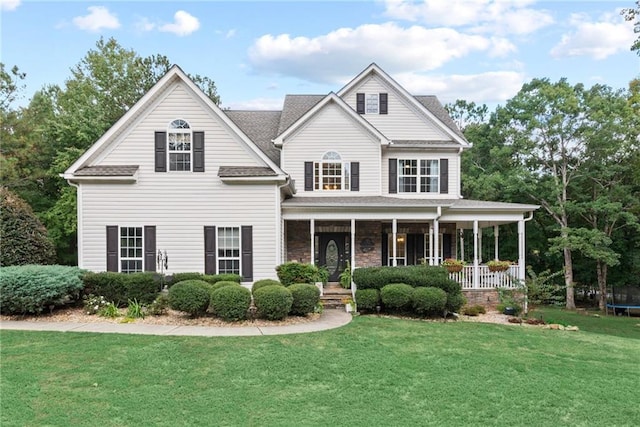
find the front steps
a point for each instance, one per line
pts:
(333, 295)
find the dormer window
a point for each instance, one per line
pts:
(372, 103)
(179, 138)
(331, 173)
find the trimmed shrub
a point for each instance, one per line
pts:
(231, 303)
(455, 301)
(413, 275)
(181, 277)
(34, 288)
(367, 299)
(273, 302)
(119, 288)
(264, 282)
(428, 300)
(190, 296)
(396, 296)
(222, 284)
(474, 310)
(23, 238)
(159, 306)
(305, 298)
(297, 272)
(215, 278)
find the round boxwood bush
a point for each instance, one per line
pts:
(190, 296)
(222, 284)
(396, 296)
(367, 299)
(231, 302)
(273, 302)
(264, 282)
(305, 298)
(455, 301)
(428, 300)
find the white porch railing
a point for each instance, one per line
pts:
(487, 279)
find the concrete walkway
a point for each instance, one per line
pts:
(329, 319)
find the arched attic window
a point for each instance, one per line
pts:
(331, 173)
(180, 146)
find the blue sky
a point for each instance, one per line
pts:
(256, 52)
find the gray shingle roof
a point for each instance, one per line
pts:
(294, 107)
(432, 104)
(107, 170)
(261, 127)
(424, 143)
(244, 171)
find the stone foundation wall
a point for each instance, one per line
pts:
(484, 297)
(368, 233)
(298, 241)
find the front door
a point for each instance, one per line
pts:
(333, 253)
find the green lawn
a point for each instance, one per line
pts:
(591, 321)
(373, 372)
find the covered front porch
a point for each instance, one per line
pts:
(376, 231)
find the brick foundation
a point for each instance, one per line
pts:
(487, 298)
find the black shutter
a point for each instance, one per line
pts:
(198, 151)
(385, 249)
(161, 151)
(444, 176)
(355, 176)
(360, 103)
(308, 176)
(384, 103)
(209, 249)
(393, 176)
(112, 247)
(149, 248)
(446, 245)
(247, 253)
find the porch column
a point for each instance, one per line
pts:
(312, 231)
(521, 260)
(394, 232)
(431, 245)
(495, 241)
(479, 244)
(476, 268)
(436, 242)
(353, 244)
(461, 232)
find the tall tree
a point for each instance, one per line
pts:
(633, 14)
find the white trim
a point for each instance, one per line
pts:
(177, 131)
(120, 227)
(331, 97)
(253, 179)
(373, 68)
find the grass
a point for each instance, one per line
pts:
(589, 321)
(373, 372)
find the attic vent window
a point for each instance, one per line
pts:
(179, 138)
(372, 103)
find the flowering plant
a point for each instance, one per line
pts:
(453, 265)
(497, 265)
(94, 303)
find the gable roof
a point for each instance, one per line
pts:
(331, 98)
(261, 127)
(430, 108)
(174, 74)
(295, 106)
(433, 104)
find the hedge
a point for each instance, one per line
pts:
(413, 275)
(455, 301)
(297, 272)
(396, 296)
(264, 282)
(367, 299)
(305, 298)
(34, 288)
(231, 303)
(428, 300)
(190, 296)
(273, 302)
(119, 288)
(223, 284)
(209, 278)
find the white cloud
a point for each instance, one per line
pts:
(489, 87)
(9, 5)
(334, 57)
(144, 25)
(480, 16)
(230, 33)
(98, 18)
(598, 40)
(257, 104)
(183, 25)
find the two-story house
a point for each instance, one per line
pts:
(369, 175)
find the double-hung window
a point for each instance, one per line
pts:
(228, 250)
(331, 173)
(179, 138)
(418, 176)
(131, 249)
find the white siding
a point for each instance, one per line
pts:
(180, 204)
(454, 172)
(403, 122)
(332, 129)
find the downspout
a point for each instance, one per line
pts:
(279, 222)
(79, 228)
(526, 290)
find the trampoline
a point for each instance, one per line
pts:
(623, 299)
